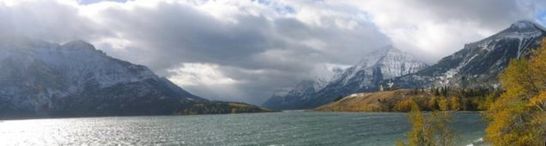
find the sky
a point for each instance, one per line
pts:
(247, 50)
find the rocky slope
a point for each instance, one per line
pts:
(38, 78)
(401, 100)
(370, 102)
(384, 63)
(478, 64)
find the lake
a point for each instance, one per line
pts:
(283, 128)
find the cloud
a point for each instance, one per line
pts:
(192, 74)
(53, 21)
(262, 46)
(205, 79)
(439, 28)
(246, 50)
(96, 1)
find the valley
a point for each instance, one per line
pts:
(273, 72)
(477, 66)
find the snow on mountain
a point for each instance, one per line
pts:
(75, 79)
(305, 88)
(326, 74)
(396, 63)
(384, 63)
(478, 64)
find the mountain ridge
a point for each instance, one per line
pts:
(42, 79)
(386, 62)
(478, 63)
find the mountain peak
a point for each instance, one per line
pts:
(388, 49)
(374, 56)
(393, 50)
(79, 44)
(523, 29)
(383, 63)
(524, 26)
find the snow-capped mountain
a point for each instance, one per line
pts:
(39, 78)
(304, 90)
(384, 63)
(300, 93)
(478, 64)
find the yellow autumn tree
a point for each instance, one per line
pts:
(404, 105)
(440, 125)
(443, 104)
(420, 134)
(455, 103)
(431, 131)
(518, 116)
(432, 103)
(485, 103)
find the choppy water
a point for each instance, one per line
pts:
(285, 128)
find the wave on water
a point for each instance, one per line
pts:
(477, 142)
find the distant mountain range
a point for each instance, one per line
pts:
(42, 79)
(384, 63)
(39, 78)
(477, 65)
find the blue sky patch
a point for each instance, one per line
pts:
(541, 17)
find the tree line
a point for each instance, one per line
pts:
(516, 115)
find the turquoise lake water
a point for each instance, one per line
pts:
(283, 128)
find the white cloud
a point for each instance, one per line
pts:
(206, 80)
(199, 74)
(245, 50)
(439, 28)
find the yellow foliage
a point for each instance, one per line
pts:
(487, 102)
(400, 143)
(404, 105)
(432, 131)
(439, 122)
(539, 101)
(420, 135)
(518, 117)
(433, 103)
(455, 103)
(443, 104)
(538, 66)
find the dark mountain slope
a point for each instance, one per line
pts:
(38, 79)
(478, 64)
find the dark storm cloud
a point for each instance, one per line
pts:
(492, 13)
(179, 29)
(262, 53)
(252, 48)
(45, 20)
(182, 33)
